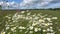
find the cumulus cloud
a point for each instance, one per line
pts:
(1, 3)
(32, 4)
(36, 3)
(10, 5)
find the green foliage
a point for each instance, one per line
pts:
(0, 6)
(49, 12)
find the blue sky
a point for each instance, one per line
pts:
(29, 4)
(15, 0)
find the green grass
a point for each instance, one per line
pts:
(49, 12)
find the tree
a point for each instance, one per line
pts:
(0, 6)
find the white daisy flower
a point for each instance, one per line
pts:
(28, 13)
(44, 30)
(48, 29)
(31, 32)
(7, 28)
(8, 32)
(26, 31)
(36, 18)
(48, 33)
(51, 30)
(54, 18)
(53, 33)
(22, 27)
(46, 24)
(31, 27)
(22, 11)
(35, 29)
(34, 24)
(27, 18)
(12, 29)
(41, 20)
(51, 27)
(49, 19)
(9, 17)
(2, 32)
(50, 23)
(6, 16)
(58, 29)
(33, 15)
(19, 16)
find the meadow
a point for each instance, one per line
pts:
(30, 21)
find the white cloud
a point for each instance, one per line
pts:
(12, 5)
(32, 3)
(1, 3)
(13, 2)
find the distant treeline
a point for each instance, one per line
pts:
(42, 9)
(54, 8)
(32, 9)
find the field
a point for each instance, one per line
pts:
(30, 22)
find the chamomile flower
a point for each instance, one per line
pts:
(54, 18)
(31, 27)
(22, 27)
(31, 32)
(12, 29)
(44, 30)
(7, 28)
(2, 32)
(22, 12)
(36, 29)
(49, 19)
